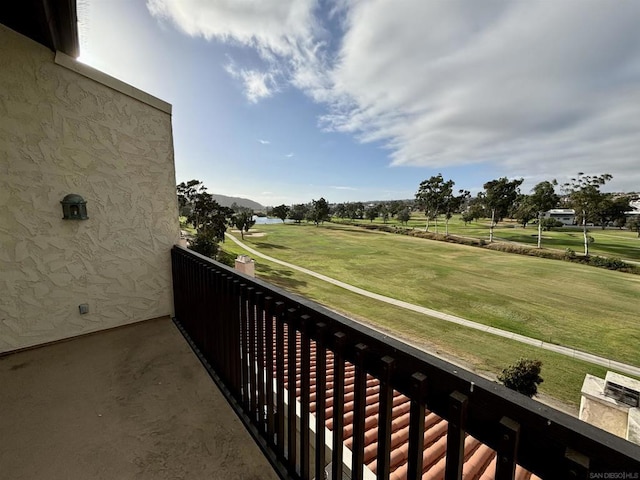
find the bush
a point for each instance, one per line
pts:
(204, 244)
(523, 376)
(610, 263)
(226, 258)
(549, 223)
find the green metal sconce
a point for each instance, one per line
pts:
(74, 207)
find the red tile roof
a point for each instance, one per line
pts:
(479, 459)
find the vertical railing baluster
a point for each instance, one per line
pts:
(224, 326)
(235, 337)
(268, 369)
(384, 418)
(340, 340)
(321, 393)
(458, 403)
(253, 387)
(260, 360)
(359, 406)
(244, 342)
(416, 426)
(305, 368)
(291, 387)
(280, 414)
(509, 436)
(216, 324)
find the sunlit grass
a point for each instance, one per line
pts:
(478, 351)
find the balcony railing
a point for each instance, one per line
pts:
(269, 352)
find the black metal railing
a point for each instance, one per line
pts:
(246, 330)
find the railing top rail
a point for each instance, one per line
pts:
(546, 433)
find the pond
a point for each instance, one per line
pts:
(267, 220)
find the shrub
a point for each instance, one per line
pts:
(549, 223)
(523, 376)
(204, 244)
(226, 258)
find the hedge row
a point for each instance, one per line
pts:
(610, 263)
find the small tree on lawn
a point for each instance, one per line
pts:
(633, 224)
(319, 211)
(371, 213)
(585, 197)
(243, 221)
(404, 215)
(281, 212)
(523, 376)
(500, 195)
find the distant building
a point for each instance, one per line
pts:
(565, 215)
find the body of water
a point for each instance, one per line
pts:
(267, 220)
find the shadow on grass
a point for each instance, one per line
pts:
(280, 277)
(268, 246)
(351, 228)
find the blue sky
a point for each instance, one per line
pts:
(283, 101)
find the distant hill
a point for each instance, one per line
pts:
(243, 202)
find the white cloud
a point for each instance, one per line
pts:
(264, 142)
(285, 33)
(540, 89)
(257, 84)
(338, 187)
(289, 155)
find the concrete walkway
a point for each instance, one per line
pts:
(569, 352)
(129, 403)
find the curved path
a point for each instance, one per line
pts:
(569, 352)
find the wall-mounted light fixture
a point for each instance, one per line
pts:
(74, 207)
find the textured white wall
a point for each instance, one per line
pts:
(61, 133)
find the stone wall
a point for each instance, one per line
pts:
(67, 128)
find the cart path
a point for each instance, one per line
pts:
(569, 352)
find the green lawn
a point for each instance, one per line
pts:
(611, 242)
(587, 308)
(478, 351)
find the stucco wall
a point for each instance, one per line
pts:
(60, 133)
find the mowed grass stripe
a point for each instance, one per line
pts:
(580, 307)
(478, 351)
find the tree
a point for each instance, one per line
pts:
(186, 195)
(453, 203)
(585, 197)
(633, 224)
(524, 210)
(243, 221)
(371, 213)
(500, 195)
(523, 376)
(354, 210)
(340, 211)
(319, 211)
(474, 209)
(543, 198)
(395, 207)
(281, 212)
(404, 215)
(298, 212)
(432, 195)
(205, 214)
(613, 210)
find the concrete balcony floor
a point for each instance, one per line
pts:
(132, 402)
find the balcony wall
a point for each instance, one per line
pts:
(67, 128)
